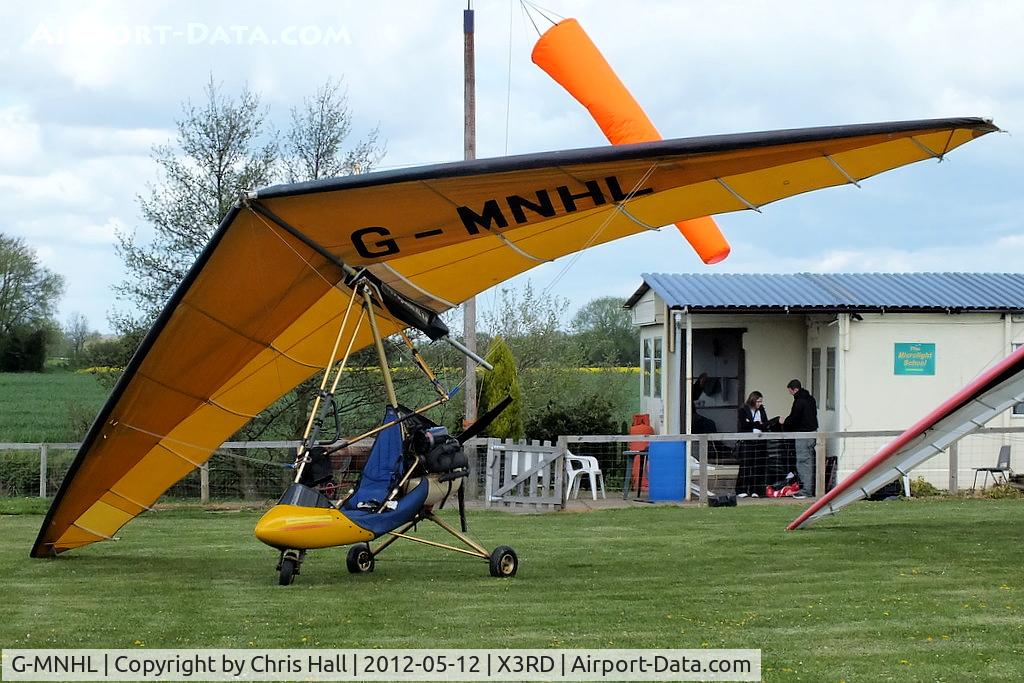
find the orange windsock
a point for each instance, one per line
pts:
(566, 53)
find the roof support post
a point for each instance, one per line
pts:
(689, 371)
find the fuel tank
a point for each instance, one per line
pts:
(439, 489)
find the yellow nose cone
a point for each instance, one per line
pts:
(302, 528)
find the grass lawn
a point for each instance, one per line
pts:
(926, 590)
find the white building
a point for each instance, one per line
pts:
(876, 350)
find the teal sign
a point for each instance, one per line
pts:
(914, 359)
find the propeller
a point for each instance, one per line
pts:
(484, 421)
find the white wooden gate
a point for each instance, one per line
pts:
(524, 475)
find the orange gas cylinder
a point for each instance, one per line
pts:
(641, 425)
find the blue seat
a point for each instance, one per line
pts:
(381, 473)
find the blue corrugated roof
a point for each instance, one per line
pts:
(838, 291)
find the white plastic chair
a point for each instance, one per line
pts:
(578, 465)
(695, 476)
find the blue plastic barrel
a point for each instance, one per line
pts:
(666, 473)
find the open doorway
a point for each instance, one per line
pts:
(718, 353)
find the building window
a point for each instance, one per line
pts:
(651, 367)
(657, 367)
(1018, 410)
(830, 378)
(815, 387)
(645, 368)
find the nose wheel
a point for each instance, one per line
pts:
(360, 559)
(288, 566)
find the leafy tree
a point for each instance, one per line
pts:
(590, 415)
(76, 335)
(223, 148)
(605, 333)
(531, 324)
(500, 382)
(24, 350)
(219, 153)
(314, 146)
(29, 292)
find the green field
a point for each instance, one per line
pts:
(59, 406)
(922, 590)
(56, 407)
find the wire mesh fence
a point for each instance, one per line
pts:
(743, 464)
(765, 465)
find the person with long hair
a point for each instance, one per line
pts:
(752, 454)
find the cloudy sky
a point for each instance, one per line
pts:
(90, 87)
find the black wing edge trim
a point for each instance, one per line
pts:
(128, 375)
(697, 145)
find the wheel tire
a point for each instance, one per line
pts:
(504, 562)
(360, 560)
(289, 568)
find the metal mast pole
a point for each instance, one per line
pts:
(469, 137)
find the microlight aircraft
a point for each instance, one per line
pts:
(275, 290)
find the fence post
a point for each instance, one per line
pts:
(204, 483)
(563, 445)
(820, 459)
(954, 468)
(43, 452)
(489, 472)
(470, 483)
(703, 447)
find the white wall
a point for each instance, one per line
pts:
(776, 352)
(648, 309)
(877, 398)
(874, 397)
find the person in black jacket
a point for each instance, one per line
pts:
(803, 417)
(750, 480)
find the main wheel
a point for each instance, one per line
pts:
(289, 568)
(360, 560)
(504, 561)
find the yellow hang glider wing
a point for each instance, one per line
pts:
(259, 311)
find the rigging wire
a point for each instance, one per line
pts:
(526, 11)
(508, 92)
(600, 228)
(541, 11)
